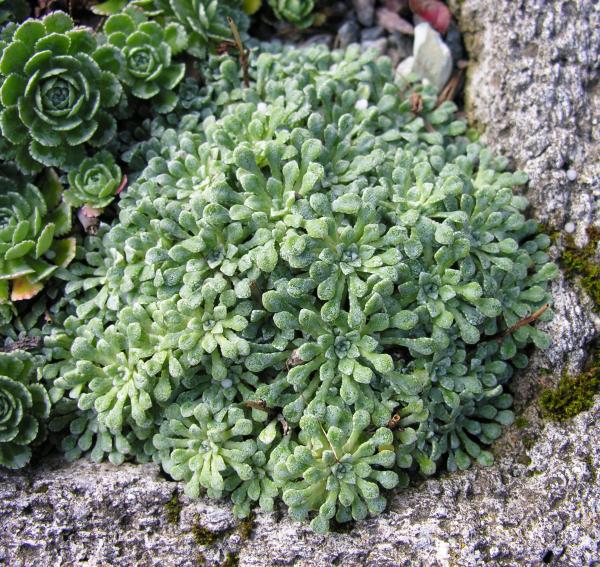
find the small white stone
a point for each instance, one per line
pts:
(570, 227)
(361, 104)
(431, 59)
(261, 107)
(571, 174)
(227, 383)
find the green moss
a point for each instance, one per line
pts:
(246, 527)
(529, 442)
(571, 396)
(580, 263)
(550, 231)
(524, 460)
(590, 463)
(173, 508)
(521, 422)
(204, 536)
(231, 560)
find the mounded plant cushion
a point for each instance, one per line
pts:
(311, 294)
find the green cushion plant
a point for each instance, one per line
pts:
(311, 292)
(57, 90)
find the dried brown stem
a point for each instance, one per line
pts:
(241, 49)
(535, 315)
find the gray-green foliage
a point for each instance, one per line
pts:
(307, 294)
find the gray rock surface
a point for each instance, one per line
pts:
(535, 92)
(533, 83)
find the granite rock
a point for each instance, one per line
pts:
(532, 86)
(535, 94)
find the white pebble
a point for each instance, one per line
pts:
(261, 107)
(227, 383)
(571, 175)
(570, 227)
(362, 104)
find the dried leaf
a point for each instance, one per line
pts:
(23, 288)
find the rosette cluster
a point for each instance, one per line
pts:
(313, 293)
(58, 89)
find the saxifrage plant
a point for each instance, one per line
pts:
(311, 294)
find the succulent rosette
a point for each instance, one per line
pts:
(24, 405)
(31, 219)
(204, 21)
(147, 49)
(297, 12)
(95, 183)
(57, 89)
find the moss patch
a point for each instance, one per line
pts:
(246, 527)
(581, 263)
(590, 463)
(572, 395)
(231, 560)
(521, 422)
(173, 508)
(204, 536)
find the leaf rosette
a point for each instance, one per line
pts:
(297, 12)
(146, 48)
(95, 182)
(58, 87)
(24, 405)
(31, 219)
